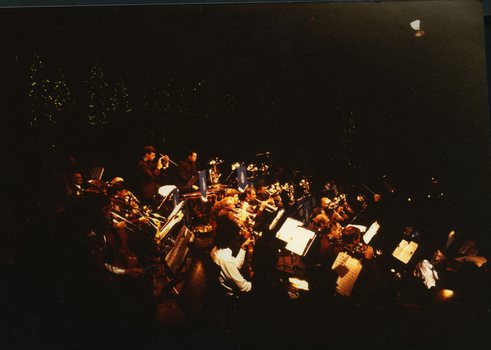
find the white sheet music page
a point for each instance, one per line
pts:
(287, 230)
(300, 240)
(360, 227)
(276, 219)
(372, 231)
(176, 209)
(405, 250)
(348, 269)
(168, 226)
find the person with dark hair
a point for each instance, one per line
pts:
(148, 173)
(262, 191)
(351, 239)
(230, 276)
(188, 173)
(76, 183)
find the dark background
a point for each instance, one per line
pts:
(335, 90)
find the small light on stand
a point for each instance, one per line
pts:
(416, 25)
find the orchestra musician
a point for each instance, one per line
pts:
(149, 171)
(262, 210)
(134, 227)
(322, 254)
(230, 277)
(188, 173)
(352, 243)
(124, 203)
(76, 184)
(323, 208)
(262, 192)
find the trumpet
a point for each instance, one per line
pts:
(170, 160)
(269, 207)
(245, 221)
(243, 214)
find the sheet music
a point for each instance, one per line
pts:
(348, 269)
(372, 231)
(168, 226)
(287, 230)
(176, 209)
(298, 283)
(301, 237)
(360, 227)
(405, 250)
(179, 252)
(276, 219)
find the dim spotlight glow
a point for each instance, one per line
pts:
(445, 294)
(298, 283)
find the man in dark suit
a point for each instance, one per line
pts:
(188, 173)
(148, 173)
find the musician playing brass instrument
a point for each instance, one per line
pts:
(125, 204)
(149, 171)
(257, 208)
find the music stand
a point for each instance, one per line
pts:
(95, 173)
(405, 250)
(277, 218)
(297, 238)
(165, 192)
(348, 269)
(180, 251)
(175, 216)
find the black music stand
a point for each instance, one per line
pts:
(175, 259)
(95, 173)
